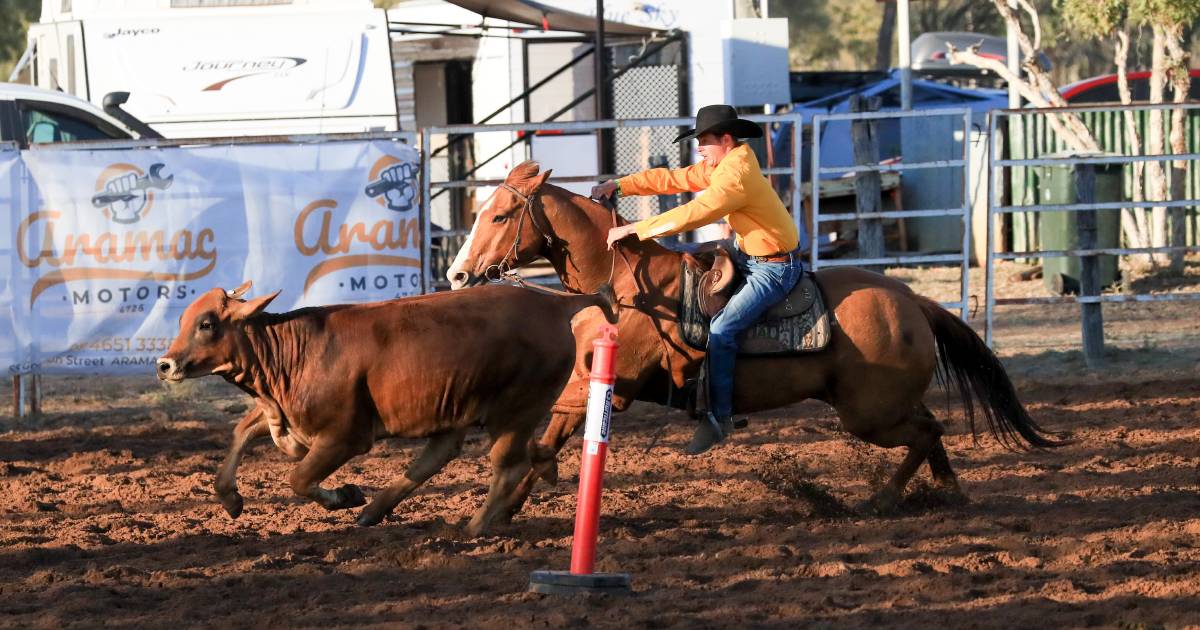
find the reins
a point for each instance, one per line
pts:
(505, 270)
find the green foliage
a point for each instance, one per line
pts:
(1165, 12)
(1093, 18)
(15, 16)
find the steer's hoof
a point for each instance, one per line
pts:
(351, 496)
(232, 504)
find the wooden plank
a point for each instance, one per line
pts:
(1091, 317)
(864, 134)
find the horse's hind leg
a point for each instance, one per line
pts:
(939, 463)
(921, 433)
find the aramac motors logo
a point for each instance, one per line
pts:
(393, 183)
(125, 193)
(65, 251)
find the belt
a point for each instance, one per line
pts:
(775, 258)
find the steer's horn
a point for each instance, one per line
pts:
(236, 294)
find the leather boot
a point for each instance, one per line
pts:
(710, 431)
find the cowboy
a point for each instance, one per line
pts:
(766, 239)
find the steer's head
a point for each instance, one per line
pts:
(504, 234)
(211, 334)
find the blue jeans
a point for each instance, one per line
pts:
(766, 283)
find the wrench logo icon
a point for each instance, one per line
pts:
(395, 182)
(126, 193)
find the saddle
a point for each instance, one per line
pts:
(797, 324)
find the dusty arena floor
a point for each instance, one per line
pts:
(107, 516)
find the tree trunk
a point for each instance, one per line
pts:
(1133, 220)
(887, 28)
(1156, 181)
(1181, 83)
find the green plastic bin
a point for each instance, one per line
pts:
(1056, 185)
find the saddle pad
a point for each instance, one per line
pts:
(798, 324)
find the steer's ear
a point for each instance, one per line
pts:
(250, 308)
(236, 294)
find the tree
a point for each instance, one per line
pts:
(1168, 21)
(1100, 19)
(15, 16)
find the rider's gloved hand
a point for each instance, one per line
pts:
(604, 190)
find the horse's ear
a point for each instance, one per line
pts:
(523, 171)
(541, 179)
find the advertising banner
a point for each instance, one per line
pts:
(116, 243)
(10, 203)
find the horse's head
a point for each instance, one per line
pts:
(509, 230)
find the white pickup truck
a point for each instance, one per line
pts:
(30, 115)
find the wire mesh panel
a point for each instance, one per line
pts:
(648, 91)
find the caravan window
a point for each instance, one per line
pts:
(43, 125)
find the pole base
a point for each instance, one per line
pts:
(567, 583)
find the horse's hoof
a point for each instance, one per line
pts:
(232, 504)
(955, 496)
(881, 503)
(474, 529)
(351, 496)
(369, 519)
(551, 472)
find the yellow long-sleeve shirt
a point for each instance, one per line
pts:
(735, 189)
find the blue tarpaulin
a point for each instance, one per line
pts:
(836, 147)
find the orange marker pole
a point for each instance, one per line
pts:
(581, 577)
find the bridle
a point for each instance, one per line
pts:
(504, 268)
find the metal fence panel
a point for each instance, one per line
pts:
(1039, 140)
(963, 212)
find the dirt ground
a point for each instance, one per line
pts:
(107, 515)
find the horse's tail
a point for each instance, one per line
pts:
(968, 366)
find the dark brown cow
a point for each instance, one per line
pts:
(330, 380)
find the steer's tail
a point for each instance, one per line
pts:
(967, 365)
(605, 298)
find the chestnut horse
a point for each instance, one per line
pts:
(886, 344)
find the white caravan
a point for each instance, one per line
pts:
(205, 68)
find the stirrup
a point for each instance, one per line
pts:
(709, 432)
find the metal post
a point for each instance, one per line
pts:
(1091, 317)
(814, 193)
(905, 54)
(600, 62)
(22, 396)
(426, 211)
(797, 182)
(967, 212)
(993, 173)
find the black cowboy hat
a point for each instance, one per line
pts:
(720, 119)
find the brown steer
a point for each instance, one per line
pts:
(330, 380)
